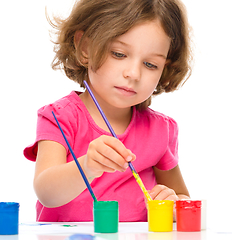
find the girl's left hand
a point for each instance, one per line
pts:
(161, 192)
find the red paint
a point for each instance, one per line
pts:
(188, 215)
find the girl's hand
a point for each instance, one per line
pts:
(106, 154)
(161, 192)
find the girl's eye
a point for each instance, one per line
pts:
(118, 55)
(150, 66)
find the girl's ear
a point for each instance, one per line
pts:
(84, 46)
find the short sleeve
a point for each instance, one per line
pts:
(47, 128)
(170, 158)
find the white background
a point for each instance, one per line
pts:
(202, 107)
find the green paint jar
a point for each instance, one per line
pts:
(105, 216)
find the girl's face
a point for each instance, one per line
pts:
(133, 66)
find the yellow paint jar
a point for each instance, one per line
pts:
(160, 215)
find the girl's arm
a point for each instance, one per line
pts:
(57, 182)
(170, 185)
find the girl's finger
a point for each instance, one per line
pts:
(119, 147)
(165, 194)
(105, 155)
(161, 192)
(113, 162)
(157, 190)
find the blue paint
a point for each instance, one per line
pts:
(81, 237)
(35, 224)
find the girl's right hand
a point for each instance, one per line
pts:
(106, 154)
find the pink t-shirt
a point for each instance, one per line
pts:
(151, 136)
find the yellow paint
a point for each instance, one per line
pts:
(160, 215)
(139, 181)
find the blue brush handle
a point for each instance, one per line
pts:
(76, 161)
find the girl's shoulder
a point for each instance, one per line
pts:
(69, 111)
(67, 106)
(71, 100)
(66, 111)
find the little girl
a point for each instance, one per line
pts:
(127, 51)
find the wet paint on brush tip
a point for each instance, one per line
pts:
(140, 183)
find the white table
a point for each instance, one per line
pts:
(127, 231)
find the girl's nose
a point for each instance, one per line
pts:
(132, 71)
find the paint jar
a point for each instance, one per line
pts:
(105, 216)
(160, 215)
(188, 215)
(9, 218)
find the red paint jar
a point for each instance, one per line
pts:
(188, 215)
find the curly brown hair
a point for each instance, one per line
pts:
(101, 21)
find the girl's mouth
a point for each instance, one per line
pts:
(126, 91)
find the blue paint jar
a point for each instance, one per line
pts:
(9, 218)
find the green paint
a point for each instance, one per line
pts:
(68, 225)
(105, 214)
(94, 198)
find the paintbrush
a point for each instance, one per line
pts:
(76, 161)
(135, 174)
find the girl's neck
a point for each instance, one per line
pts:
(119, 118)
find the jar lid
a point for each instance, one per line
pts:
(106, 205)
(188, 203)
(9, 205)
(157, 204)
